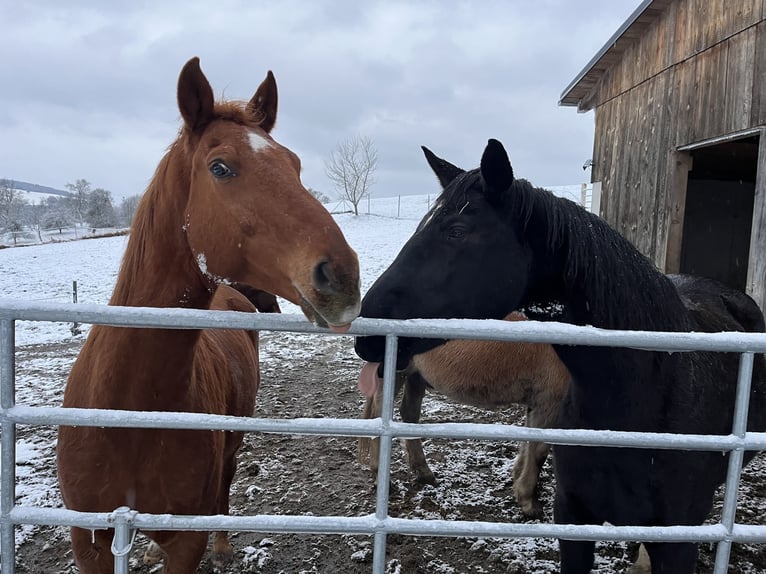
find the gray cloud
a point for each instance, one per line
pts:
(89, 87)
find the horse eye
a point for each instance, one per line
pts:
(456, 231)
(220, 170)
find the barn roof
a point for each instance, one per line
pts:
(611, 52)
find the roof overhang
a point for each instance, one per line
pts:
(577, 92)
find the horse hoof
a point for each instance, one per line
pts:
(153, 554)
(425, 478)
(533, 511)
(220, 560)
(643, 564)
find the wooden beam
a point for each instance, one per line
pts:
(756, 268)
(680, 164)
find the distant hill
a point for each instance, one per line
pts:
(34, 188)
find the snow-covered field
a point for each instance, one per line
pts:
(46, 272)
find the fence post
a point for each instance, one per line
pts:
(8, 461)
(124, 535)
(398, 206)
(75, 326)
(734, 471)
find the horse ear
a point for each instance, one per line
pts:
(444, 170)
(496, 168)
(195, 96)
(263, 106)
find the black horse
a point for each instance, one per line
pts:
(492, 244)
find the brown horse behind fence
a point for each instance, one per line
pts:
(486, 374)
(226, 205)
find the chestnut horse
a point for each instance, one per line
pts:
(226, 204)
(486, 374)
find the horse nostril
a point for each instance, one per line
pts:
(324, 279)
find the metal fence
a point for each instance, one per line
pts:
(127, 521)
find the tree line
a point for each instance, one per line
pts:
(84, 207)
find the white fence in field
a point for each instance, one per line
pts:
(379, 525)
(416, 206)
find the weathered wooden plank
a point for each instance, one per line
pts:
(739, 15)
(647, 64)
(685, 77)
(680, 165)
(666, 44)
(611, 154)
(740, 69)
(601, 145)
(758, 102)
(684, 32)
(709, 17)
(665, 134)
(756, 269)
(651, 140)
(616, 167)
(631, 169)
(710, 94)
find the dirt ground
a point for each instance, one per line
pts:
(311, 376)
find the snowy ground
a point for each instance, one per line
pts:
(478, 478)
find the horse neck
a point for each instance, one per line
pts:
(595, 272)
(158, 268)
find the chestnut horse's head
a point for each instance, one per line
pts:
(248, 218)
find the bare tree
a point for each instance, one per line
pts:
(12, 207)
(34, 213)
(351, 169)
(100, 211)
(128, 209)
(322, 197)
(80, 190)
(57, 216)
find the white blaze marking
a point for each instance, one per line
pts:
(258, 142)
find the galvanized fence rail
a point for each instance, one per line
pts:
(127, 521)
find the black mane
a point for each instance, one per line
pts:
(605, 280)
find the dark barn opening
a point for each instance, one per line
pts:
(719, 211)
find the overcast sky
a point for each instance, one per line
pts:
(89, 86)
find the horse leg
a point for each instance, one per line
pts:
(526, 470)
(412, 403)
(368, 448)
(222, 548)
(184, 551)
(367, 451)
(675, 558)
(153, 554)
(526, 474)
(577, 556)
(93, 550)
(643, 564)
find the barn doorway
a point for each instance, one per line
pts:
(718, 214)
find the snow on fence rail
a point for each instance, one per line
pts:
(126, 521)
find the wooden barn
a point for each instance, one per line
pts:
(679, 157)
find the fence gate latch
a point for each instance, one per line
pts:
(122, 519)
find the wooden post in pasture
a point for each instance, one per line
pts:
(398, 207)
(75, 326)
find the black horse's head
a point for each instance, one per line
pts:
(466, 259)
